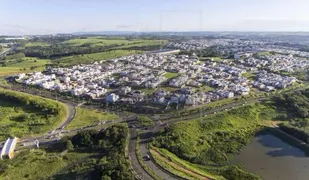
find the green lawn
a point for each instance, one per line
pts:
(170, 75)
(19, 119)
(85, 117)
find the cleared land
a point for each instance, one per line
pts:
(85, 117)
(23, 114)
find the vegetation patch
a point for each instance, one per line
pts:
(89, 154)
(85, 117)
(89, 58)
(24, 114)
(170, 75)
(144, 121)
(214, 140)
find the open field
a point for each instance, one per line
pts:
(212, 141)
(98, 41)
(74, 158)
(9, 70)
(22, 65)
(23, 114)
(30, 44)
(30, 62)
(85, 117)
(170, 75)
(40, 164)
(89, 58)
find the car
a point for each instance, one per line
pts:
(205, 115)
(147, 157)
(226, 109)
(215, 112)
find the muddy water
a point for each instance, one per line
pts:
(273, 159)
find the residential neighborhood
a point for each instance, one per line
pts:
(164, 78)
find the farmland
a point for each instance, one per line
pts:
(89, 58)
(98, 41)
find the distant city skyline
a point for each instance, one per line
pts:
(66, 16)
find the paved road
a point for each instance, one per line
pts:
(132, 143)
(133, 157)
(152, 165)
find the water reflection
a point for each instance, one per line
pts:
(271, 158)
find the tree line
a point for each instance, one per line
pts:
(111, 143)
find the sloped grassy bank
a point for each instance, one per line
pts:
(210, 143)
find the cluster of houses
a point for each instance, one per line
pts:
(276, 62)
(269, 81)
(143, 77)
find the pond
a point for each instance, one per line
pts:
(271, 158)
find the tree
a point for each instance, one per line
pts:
(69, 145)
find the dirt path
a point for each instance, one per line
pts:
(179, 167)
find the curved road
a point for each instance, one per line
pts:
(133, 134)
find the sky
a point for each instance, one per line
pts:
(24, 17)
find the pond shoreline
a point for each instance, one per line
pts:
(273, 154)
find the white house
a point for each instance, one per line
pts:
(112, 98)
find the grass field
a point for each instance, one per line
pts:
(85, 117)
(180, 167)
(23, 65)
(214, 140)
(19, 119)
(39, 164)
(89, 58)
(30, 44)
(99, 41)
(170, 75)
(29, 62)
(9, 70)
